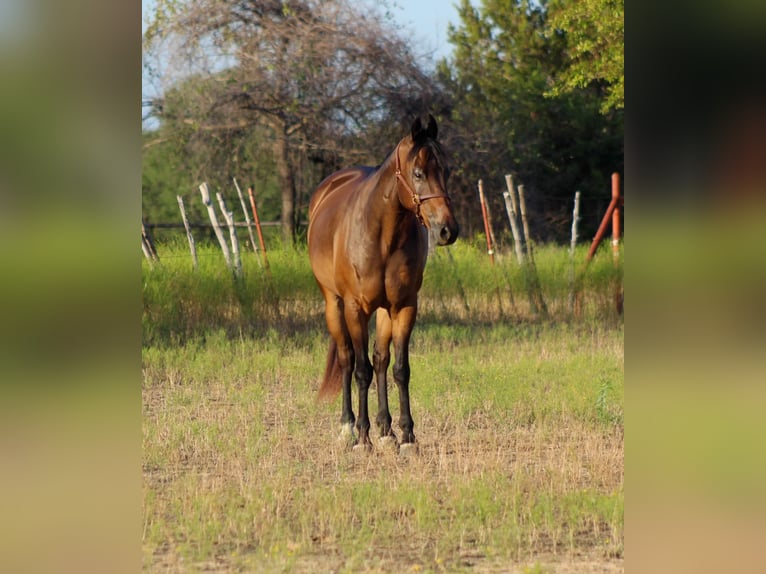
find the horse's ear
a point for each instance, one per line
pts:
(417, 129)
(432, 129)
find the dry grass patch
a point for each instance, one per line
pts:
(518, 468)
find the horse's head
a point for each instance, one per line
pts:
(422, 175)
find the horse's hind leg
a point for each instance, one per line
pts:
(357, 325)
(380, 359)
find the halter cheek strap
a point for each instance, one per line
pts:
(416, 199)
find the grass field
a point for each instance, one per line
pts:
(519, 418)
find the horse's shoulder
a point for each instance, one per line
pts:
(339, 184)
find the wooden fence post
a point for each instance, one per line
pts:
(229, 217)
(531, 279)
(147, 245)
(247, 217)
(575, 222)
(525, 223)
(510, 208)
(572, 246)
(214, 220)
(189, 236)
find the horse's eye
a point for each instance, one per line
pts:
(418, 174)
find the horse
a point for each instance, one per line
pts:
(368, 240)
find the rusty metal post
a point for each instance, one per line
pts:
(604, 222)
(487, 232)
(618, 290)
(616, 217)
(258, 227)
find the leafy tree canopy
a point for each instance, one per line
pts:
(595, 36)
(507, 61)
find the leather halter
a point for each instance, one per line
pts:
(416, 199)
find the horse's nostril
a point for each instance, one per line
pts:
(444, 234)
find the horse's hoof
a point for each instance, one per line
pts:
(408, 449)
(347, 435)
(361, 448)
(388, 442)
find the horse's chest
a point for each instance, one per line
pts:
(402, 280)
(386, 283)
(369, 285)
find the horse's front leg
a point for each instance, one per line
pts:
(357, 323)
(403, 322)
(380, 360)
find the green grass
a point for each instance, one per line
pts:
(519, 421)
(460, 286)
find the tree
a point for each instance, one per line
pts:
(505, 61)
(304, 74)
(595, 35)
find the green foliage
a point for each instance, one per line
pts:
(163, 176)
(515, 97)
(460, 287)
(506, 59)
(285, 88)
(595, 37)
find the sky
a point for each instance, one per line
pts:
(427, 20)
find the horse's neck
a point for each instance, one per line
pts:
(385, 200)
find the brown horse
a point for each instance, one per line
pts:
(368, 241)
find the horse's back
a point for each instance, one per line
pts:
(338, 186)
(328, 209)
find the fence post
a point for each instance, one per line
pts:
(524, 222)
(510, 208)
(616, 217)
(247, 217)
(251, 193)
(489, 223)
(572, 246)
(229, 217)
(575, 222)
(607, 216)
(189, 235)
(619, 294)
(214, 220)
(530, 269)
(490, 252)
(147, 246)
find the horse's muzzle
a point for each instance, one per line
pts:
(447, 233)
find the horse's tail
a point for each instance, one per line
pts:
(333, 376)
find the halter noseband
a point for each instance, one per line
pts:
(416, 199)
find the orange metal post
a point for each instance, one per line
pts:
(607, 216)
(616, 216)
(490, 252)
(258, 226)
